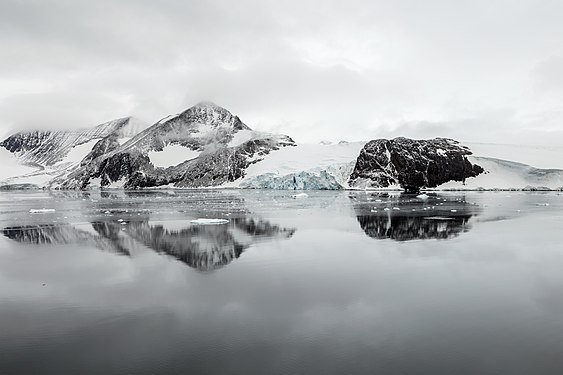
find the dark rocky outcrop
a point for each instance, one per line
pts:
(412, 164)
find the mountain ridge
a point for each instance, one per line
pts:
(207, 146)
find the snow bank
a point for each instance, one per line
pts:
(537, 156)
(504, 174)
(171, 155)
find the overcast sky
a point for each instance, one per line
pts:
(489, 71)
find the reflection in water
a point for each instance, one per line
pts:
(203, 247)
(44, 234)
(407, 218)
(404, 228)
(206, 247)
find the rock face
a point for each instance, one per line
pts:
(412, 164)
(218, 148)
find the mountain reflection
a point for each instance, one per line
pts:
(203, 247)
(206, 247)
(407, 218)
(43, 234)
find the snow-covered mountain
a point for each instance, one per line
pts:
(207, 146)
(48, 148)
(38, 157)
(203, 146)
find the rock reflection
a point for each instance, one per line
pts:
(203, 247)
(406, 217)
(405, 228)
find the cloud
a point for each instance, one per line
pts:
(313, 70)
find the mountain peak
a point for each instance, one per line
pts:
(211, 114)
(208, 104)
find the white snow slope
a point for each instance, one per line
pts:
(538, 156)
(171, 155)
(513, 167)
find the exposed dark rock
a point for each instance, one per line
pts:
(412, 164)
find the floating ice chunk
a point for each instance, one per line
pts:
(396, 208)
(300, 195)
(423, 196)
(386, 209)
(41, 211)
(209, 221)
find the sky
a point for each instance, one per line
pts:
(474, 70)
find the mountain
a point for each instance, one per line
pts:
(38, 157)
(208, 146)
(48, 148)
(203, 146)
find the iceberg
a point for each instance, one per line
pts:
(209, 221)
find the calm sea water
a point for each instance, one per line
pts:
(335, 283)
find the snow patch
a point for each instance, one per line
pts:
(171, 155)
(79, 152)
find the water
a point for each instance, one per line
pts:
(333, 283)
